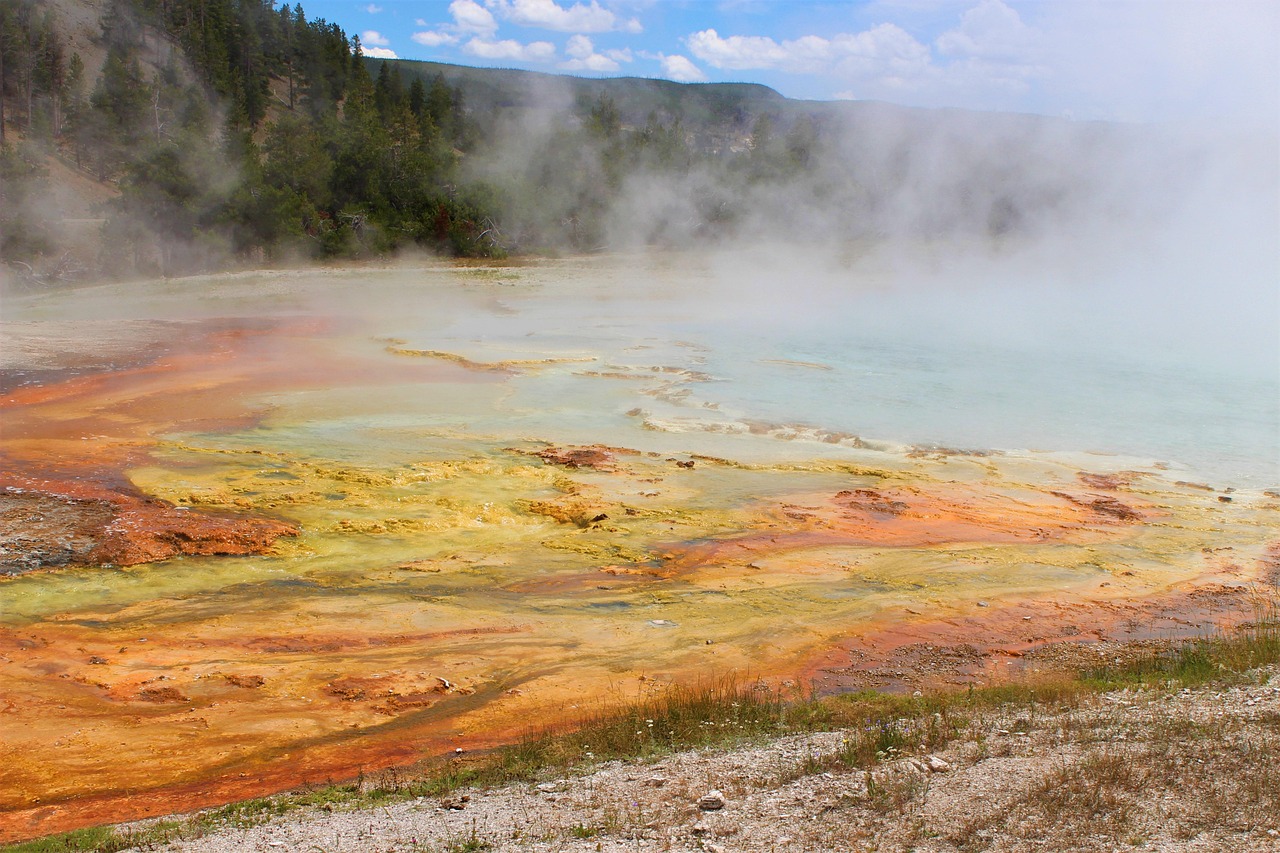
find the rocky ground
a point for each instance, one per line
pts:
(1189, 770)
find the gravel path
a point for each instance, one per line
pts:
(1149, 770)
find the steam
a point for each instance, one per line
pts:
(1066, 233)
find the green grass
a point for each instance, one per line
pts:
(1254, 644)
(880, 726)
(96, 838)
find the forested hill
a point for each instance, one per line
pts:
(706, 111)
(168, 136)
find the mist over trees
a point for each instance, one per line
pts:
(227, 129)
(232, 132)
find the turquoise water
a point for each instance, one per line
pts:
(1107, 370)
(980, 355)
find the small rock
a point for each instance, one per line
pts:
(548, 787)
(711, 801)
(983, 604)
(656, 781)
(456, 804)
(1273, 833)
(936, 764)
(699, 828)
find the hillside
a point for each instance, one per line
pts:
(715, 116)
(149, 137)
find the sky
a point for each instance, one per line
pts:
(1120, 60)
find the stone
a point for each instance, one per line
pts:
(711, 801)
(598, 457)
(936, 764)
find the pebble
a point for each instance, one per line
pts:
(711, 801)
(936, 764)
(455, 803)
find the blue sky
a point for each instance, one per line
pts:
(1129, 60)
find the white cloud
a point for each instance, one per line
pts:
(380, 53)
(373, 8)
(1143, 61)
(549, 15)
(583, 57)
(434, 38)
(470, 17)
(736, 52)
(579, 47)
(680, 69)
(509, 49)
(420, 22)
(374, 37)
(990, 30)
(1094, 59)
(884, 46)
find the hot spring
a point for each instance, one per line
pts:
(521, 491)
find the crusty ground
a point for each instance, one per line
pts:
(1150, 770)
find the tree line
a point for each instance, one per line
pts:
(234, 129)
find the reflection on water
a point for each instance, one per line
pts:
(453, 579)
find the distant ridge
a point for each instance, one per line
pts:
(697, 105)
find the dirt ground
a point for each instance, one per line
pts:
(1193, 770)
